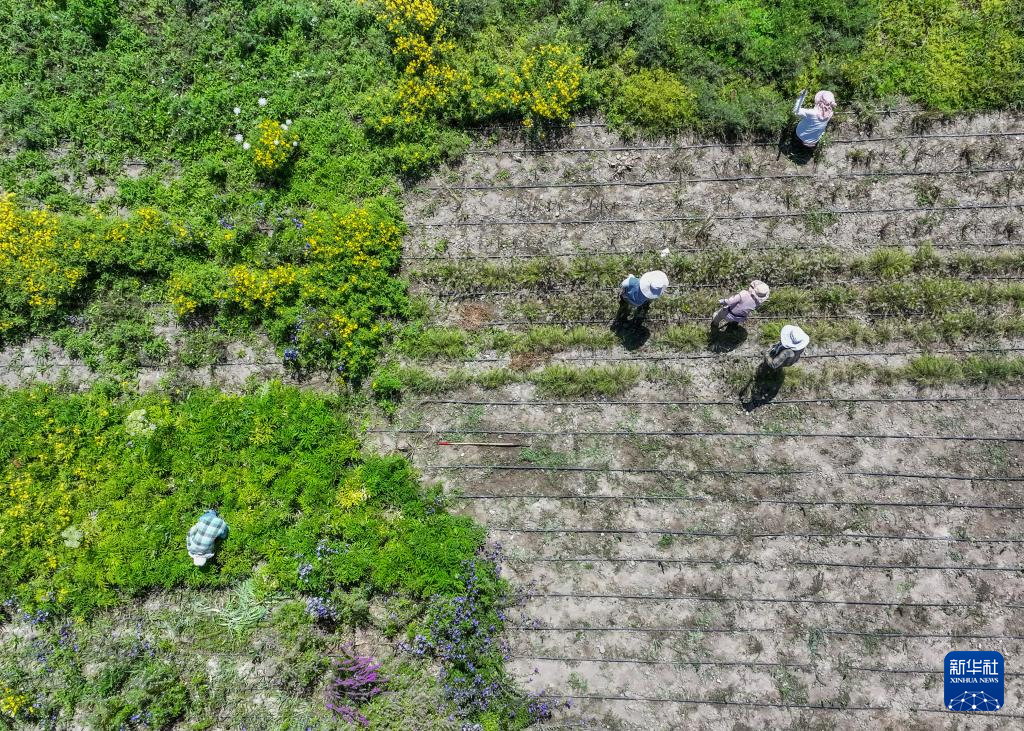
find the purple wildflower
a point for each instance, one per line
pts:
(356, 680)
(320, 609)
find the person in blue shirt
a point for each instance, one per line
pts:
(813, 121)
(639, 292)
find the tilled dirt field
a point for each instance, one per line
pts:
(693, 560)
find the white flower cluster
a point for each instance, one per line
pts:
(240, 139)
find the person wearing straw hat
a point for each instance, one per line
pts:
(738, 307)
(813, 121)
(203, 535)
(792, 343)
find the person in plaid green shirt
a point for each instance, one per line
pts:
(203, 535)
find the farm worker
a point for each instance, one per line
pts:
(641, 291)
(786, 352)
(738, 307)
(813, 121)
(203, 535)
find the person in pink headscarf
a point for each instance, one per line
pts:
(813, 121)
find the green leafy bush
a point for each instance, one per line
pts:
(281, 467)
(653, 100)
(96, 17)
(948, 54)
(135, 691)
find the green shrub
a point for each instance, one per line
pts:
(134, 690)
(654, 100)
(96, 17)
(281, 467)
(387, 387)
(193, 288)
(947, 54)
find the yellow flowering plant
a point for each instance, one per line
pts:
(538, 85)
(195, 288)
(273, 145)
(251, 288)
(15, 705)
(427, 82)
(348, 290)
(40, 267)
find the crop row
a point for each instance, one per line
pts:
(872, 175)
(922, 297)
(763, 194)
(724, 266)
(614, 380)
(454, 343)
(958, 229)
(927, 296)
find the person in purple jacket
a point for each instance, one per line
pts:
(738, 307)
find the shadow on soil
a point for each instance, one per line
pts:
(628, 325)
(727, 339)
(762, 387)
(794, 150)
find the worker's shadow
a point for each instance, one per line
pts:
(762, 387)
(727, 339)
(628, 326)
(792, 148)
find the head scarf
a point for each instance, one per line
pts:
(825, 104)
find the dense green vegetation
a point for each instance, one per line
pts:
(99, 492)
(232, 169)
(259, 146)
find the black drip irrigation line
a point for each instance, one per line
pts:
(785, 706)
(827, 399)
(746, 355)
(712, 217)
(536, 290)
(854, 116)
(742, 501)
(751, 536)
(731, 145)
(767, 316)
(693, 249)
(62, 364)
(766, 435)
(692, 473)
(773, 600)
(753, 630)
(757, 564)
(723, 179)
(730, 663)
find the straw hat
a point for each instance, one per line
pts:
(759, 290)
(652, 284)
(794, 338)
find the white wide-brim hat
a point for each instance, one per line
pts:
(793, 337)
(652, 284)
(198, 560)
